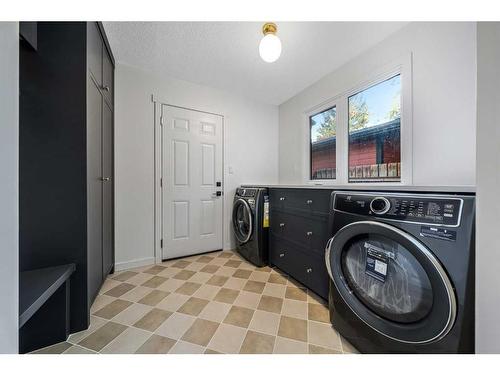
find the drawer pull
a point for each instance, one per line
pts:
(309, 201)
(282, 255)
(309, 234)
(282, 225)
(282, 198)
(309, 270)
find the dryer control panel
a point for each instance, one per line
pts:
(422, 209)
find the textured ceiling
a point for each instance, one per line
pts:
(225, 55)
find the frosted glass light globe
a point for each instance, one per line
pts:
(270, 48)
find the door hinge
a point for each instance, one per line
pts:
(161, 243)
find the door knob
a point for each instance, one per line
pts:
(282, 255)
(217, 194)
(309, 234)
(309, 201)
(104, 179)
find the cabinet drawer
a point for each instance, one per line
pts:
(302, 199)
(307, 268)
(310, 232)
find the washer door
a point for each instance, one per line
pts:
(242, 221)
(392, 282)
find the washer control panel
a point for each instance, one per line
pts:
(246, 192)
(411, 208)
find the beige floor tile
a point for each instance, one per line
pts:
(225, 271)
(225, 254)
(235, 283)
(180, 264)
(347, 347)
(169, 272)
(247, 266)
(318, 313)
(132, 314)
(200, 332)
(127, 343)
(218, 261)
(296, 294)
(295, 309)
(193, 306)
(184, 275)
(247, 299)
(156, 345)
(270, 304)
(226, 295)
(227, 339)
(287, 346)
(205, 259)
(171, 285)
(154, 270)
(265, 269)
(153, 298)
(254, 286)
(259, 276)
(120, 289)
(182, 347)
(108, 284)
(207, 292)
(102, 336)
(136, 294)
(257, 343)
(274, 290)
(277, 279)
(58, 348)
(233, 263)
(215, 311)
(123, 276)
(101, 301)
(239, 316)
(217, 280)
(75, 349)
(210, 351)
(324, 335)
(139, 278)
(155, 281)
(314, 349)
(172, 302)
(293, 328)
(195, 266)
(210, 268)
(242, 274)
(314, 298)
(175, 326)
(265, 322)
(95, 323)
(112, 309)
(152, 320)
(188, 288)
(201, 277)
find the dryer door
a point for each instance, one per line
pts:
(392, 282)
(242, 220)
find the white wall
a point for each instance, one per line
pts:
(9, 159)
(488, 181)
(444, 102)
(251, 139)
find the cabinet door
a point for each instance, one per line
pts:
(94, 51)
(94, 189)
(107, 76)
(107, 190)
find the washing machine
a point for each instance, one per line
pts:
(401, 270)
(251, 224)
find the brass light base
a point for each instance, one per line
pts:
(269, 28)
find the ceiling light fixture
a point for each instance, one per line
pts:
(270, 45)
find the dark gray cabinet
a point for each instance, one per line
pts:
(66, 157)
(299, 232)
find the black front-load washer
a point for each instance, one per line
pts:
(401, 272)
(251, 224)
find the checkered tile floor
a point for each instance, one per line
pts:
(212, 303)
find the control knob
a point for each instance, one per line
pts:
(380, 205)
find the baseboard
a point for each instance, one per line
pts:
(134, 263)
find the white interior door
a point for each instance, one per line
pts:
(192, 167)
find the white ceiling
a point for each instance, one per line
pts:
(225, 55)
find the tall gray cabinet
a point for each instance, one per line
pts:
(66, 178)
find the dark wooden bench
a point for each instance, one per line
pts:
(44, 297)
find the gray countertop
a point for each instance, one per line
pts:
(369, 187)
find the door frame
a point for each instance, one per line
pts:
(158, 159)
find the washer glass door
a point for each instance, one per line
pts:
(242, 220)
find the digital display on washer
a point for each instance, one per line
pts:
(418, 209)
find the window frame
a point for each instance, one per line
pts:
(327, 108)
(401, 66)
